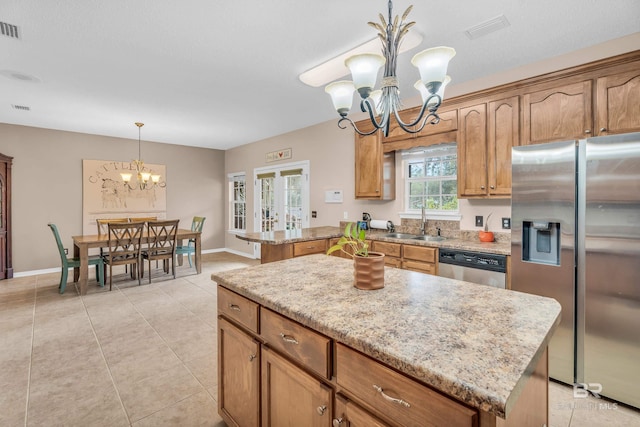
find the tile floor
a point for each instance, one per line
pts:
(146, 355)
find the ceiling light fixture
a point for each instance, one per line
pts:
(380, 104)
(141, 176)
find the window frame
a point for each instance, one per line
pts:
(235, 178)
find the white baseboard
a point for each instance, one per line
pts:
(57, 269)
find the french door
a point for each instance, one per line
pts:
(281, 197)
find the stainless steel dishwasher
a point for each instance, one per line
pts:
(476, 267)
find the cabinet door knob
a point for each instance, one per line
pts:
(482, 187)
(321, 409)
(603, 129)
(251, 357)
(493, 187)
(587, 131)
(337, 422)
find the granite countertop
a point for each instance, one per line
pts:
(476, 343)
(328, 232)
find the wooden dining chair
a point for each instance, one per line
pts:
(161, 239)
(68, 263)
(196, 225)
(124, 247)
(144, 219)
(103, 224)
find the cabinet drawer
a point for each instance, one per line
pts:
(397, 397)
(310, 247)
(423, 267)
(420, 253)
(388, 248)
(305, 346)
(238, 308)
(393, 261)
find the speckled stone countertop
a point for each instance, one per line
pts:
(291, 236)
(327, 232)
(476, 343)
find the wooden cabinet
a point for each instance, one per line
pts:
(238, 309)
(618, 103)
(557, 114)
(238, 376)
(350, 414)
(309, 247)
(420, 258)
(504, 134)
(472, 151)
(396, 133)
(291, 397)
(394, 396)
(392, 252)
(375, 170)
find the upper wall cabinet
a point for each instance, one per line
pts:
(557, 114)
(618, 103)
(375, 171)
(472, 151)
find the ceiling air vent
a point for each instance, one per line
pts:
(21, 107)
(9, 30)
(486, 27)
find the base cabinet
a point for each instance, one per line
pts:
(238, 376)
(291, 397)
(351, 415)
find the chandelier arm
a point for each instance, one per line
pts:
(432, 108)
(366, 107)
(353, 125)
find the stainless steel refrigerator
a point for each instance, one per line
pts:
(576, 238)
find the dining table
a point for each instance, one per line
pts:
(82, 244)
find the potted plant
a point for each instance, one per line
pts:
(486, 235)
(368, 266)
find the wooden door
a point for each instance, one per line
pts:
(238, 376)
(557, 114)
(472, 151)
(504, 133)
(291, 397)
(374, 170)
(618, 103)
(6, 266)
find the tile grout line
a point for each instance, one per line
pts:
(33, 332)
(169, 347)
(104, 359)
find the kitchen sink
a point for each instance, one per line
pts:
(400, 235)
(429, 238)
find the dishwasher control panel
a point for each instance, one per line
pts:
(479, 260)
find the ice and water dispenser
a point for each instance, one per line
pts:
(541, 242)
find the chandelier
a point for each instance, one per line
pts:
(143, 177)
(382, 103)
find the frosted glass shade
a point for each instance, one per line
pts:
(341, 94)
(424, 93)
(145, 176)
(126, 177)
(155, 179)
(376, 95)
(432, 64)
(364, 69)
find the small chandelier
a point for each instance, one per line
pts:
(143, 178)
(380, 104)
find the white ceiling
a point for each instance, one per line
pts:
(222, 74)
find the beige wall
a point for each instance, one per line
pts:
(47, 187)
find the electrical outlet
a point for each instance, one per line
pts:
(346, 215)
(66, 251)
(479, 221)
(314, 214)
(506, 223)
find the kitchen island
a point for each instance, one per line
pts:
(437, 351)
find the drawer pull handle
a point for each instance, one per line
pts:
(251, 357)
(288, 338)
(234, 307)
(321, 409)
(391, 399)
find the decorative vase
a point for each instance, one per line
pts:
(368, 272)
(486, 236)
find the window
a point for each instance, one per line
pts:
(238, 202)
(431, 179)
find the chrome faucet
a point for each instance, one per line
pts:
(423, 223)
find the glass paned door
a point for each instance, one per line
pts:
(283, 193)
